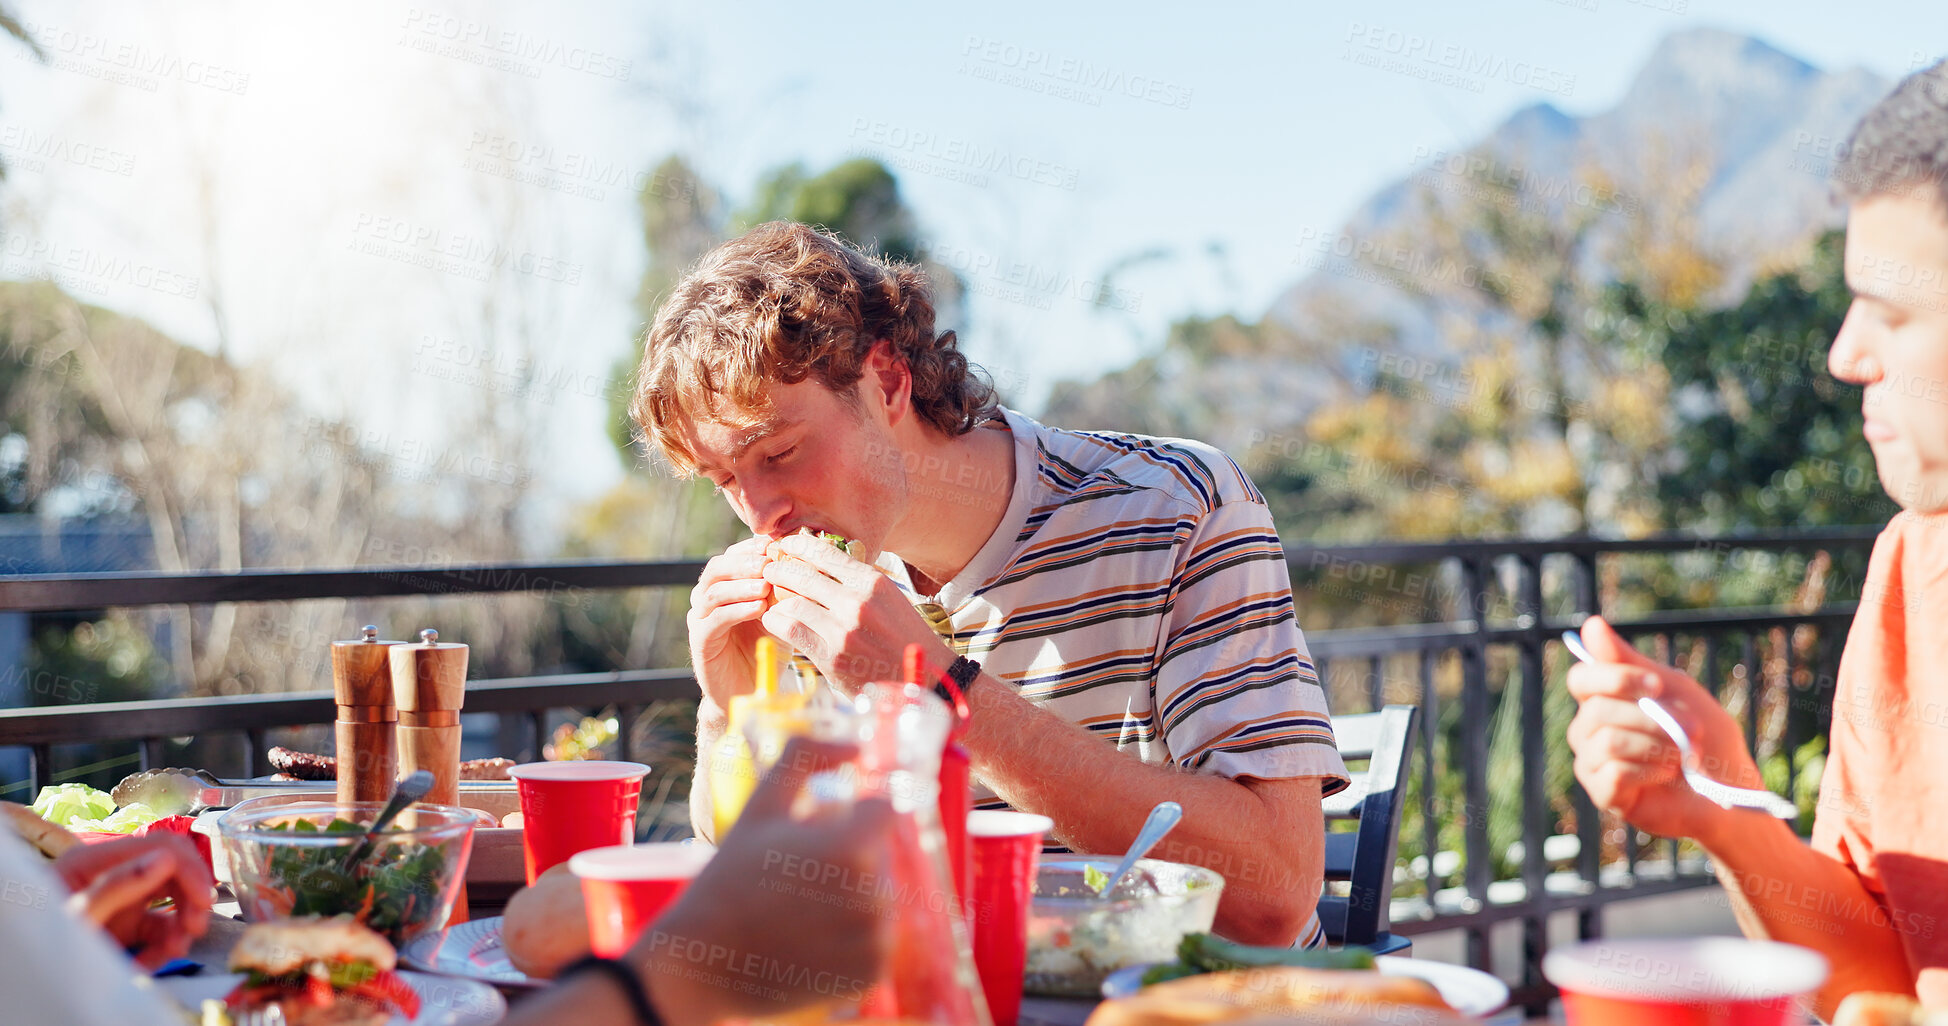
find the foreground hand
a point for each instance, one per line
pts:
(1626, 762)
(851, 620)
(113, 884)
(789, 911)
(725, 607)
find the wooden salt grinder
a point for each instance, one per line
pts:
(366, 728)
(429, 683)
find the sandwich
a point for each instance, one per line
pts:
(319, 972)
(48, 838)
(1284, 994)
(837, 541)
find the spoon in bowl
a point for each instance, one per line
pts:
(413, 788)
(1162, 819)
(1725, 795)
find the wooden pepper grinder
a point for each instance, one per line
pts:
(361, 684)
(429, 683)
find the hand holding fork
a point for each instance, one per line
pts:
(1624, 729)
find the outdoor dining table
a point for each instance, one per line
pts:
(227, 925)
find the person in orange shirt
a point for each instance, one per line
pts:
(1871, 892)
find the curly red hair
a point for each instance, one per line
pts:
(782, 303)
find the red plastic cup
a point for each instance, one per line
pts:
(628, 886)
(1007, 848)
(1697, 981)
(569, 807)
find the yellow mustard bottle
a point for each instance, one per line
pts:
(760, 723)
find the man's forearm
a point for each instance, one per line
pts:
(1781, 889)
(1098, 798)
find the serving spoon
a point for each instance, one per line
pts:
(1725, 795)
(409, 790)
(1162, 819)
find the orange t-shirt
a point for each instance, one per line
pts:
(1883, 807)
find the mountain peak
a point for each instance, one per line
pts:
(1712, 60)
(1733, 105)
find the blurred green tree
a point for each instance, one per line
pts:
(1762, 436)
(858, 199)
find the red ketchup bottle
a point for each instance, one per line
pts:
(954, 773)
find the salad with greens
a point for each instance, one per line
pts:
(395, 890)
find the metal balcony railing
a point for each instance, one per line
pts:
(1491, 656)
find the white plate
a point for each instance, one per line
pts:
(471, 950)
(1472, 992)
(442, 1001)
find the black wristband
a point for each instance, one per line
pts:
(962, 673)
(632, 984)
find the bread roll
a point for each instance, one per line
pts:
(50, 839)
(1874, 1008)
(546, 925)
(1281, 994)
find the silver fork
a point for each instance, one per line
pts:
(1725, 795)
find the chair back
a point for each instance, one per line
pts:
(1363, 857)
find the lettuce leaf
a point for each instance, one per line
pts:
(128, 819)
(71, 805)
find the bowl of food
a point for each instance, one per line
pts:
(295, 859)
(1075, 938)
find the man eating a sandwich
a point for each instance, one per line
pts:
(1115, 608)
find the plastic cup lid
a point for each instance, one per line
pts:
(578, 770)
(1000, 823)
(1682, 970)
(674, 861)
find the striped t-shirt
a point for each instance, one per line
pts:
(1136, 586)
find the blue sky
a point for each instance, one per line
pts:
(1041, 144)
(1274, 130)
